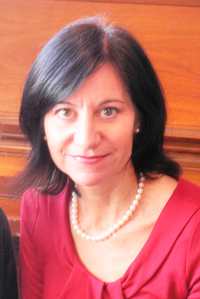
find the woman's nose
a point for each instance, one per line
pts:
(86, 133)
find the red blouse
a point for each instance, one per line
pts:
(167, 267)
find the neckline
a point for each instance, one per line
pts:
(152, 239)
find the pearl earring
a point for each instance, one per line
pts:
(45, 138)
(137, 130)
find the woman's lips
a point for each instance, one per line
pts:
(89, 160)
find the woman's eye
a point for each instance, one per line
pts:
(65, 113)
(110, 111)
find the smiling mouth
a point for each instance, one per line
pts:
(89, 160)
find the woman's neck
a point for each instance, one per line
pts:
(103, 205)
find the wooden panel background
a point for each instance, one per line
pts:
(169, 32)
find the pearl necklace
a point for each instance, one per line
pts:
(116, 226)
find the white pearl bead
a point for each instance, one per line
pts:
(132, 208)
(138, 197)
(73, 221)
(140, 191)
(129, 213)
(76, 227)
(111, 230)
(125, 217)
(142, 178)
(83, 235)
(121, 222)
(116, 226)
(102, 237)
(74, 211)
(74, 216)
(107, 234)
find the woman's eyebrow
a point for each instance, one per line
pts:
(65, 102)
(111, 101)
(104, 102)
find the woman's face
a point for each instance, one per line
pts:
(90, 133)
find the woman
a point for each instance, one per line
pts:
(8, 273)
(105, 214)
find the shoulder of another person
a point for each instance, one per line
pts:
(3, 219)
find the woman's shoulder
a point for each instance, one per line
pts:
(37, 208)
(35, 202)
(34, 196)
(31, 199)
(188, 191)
